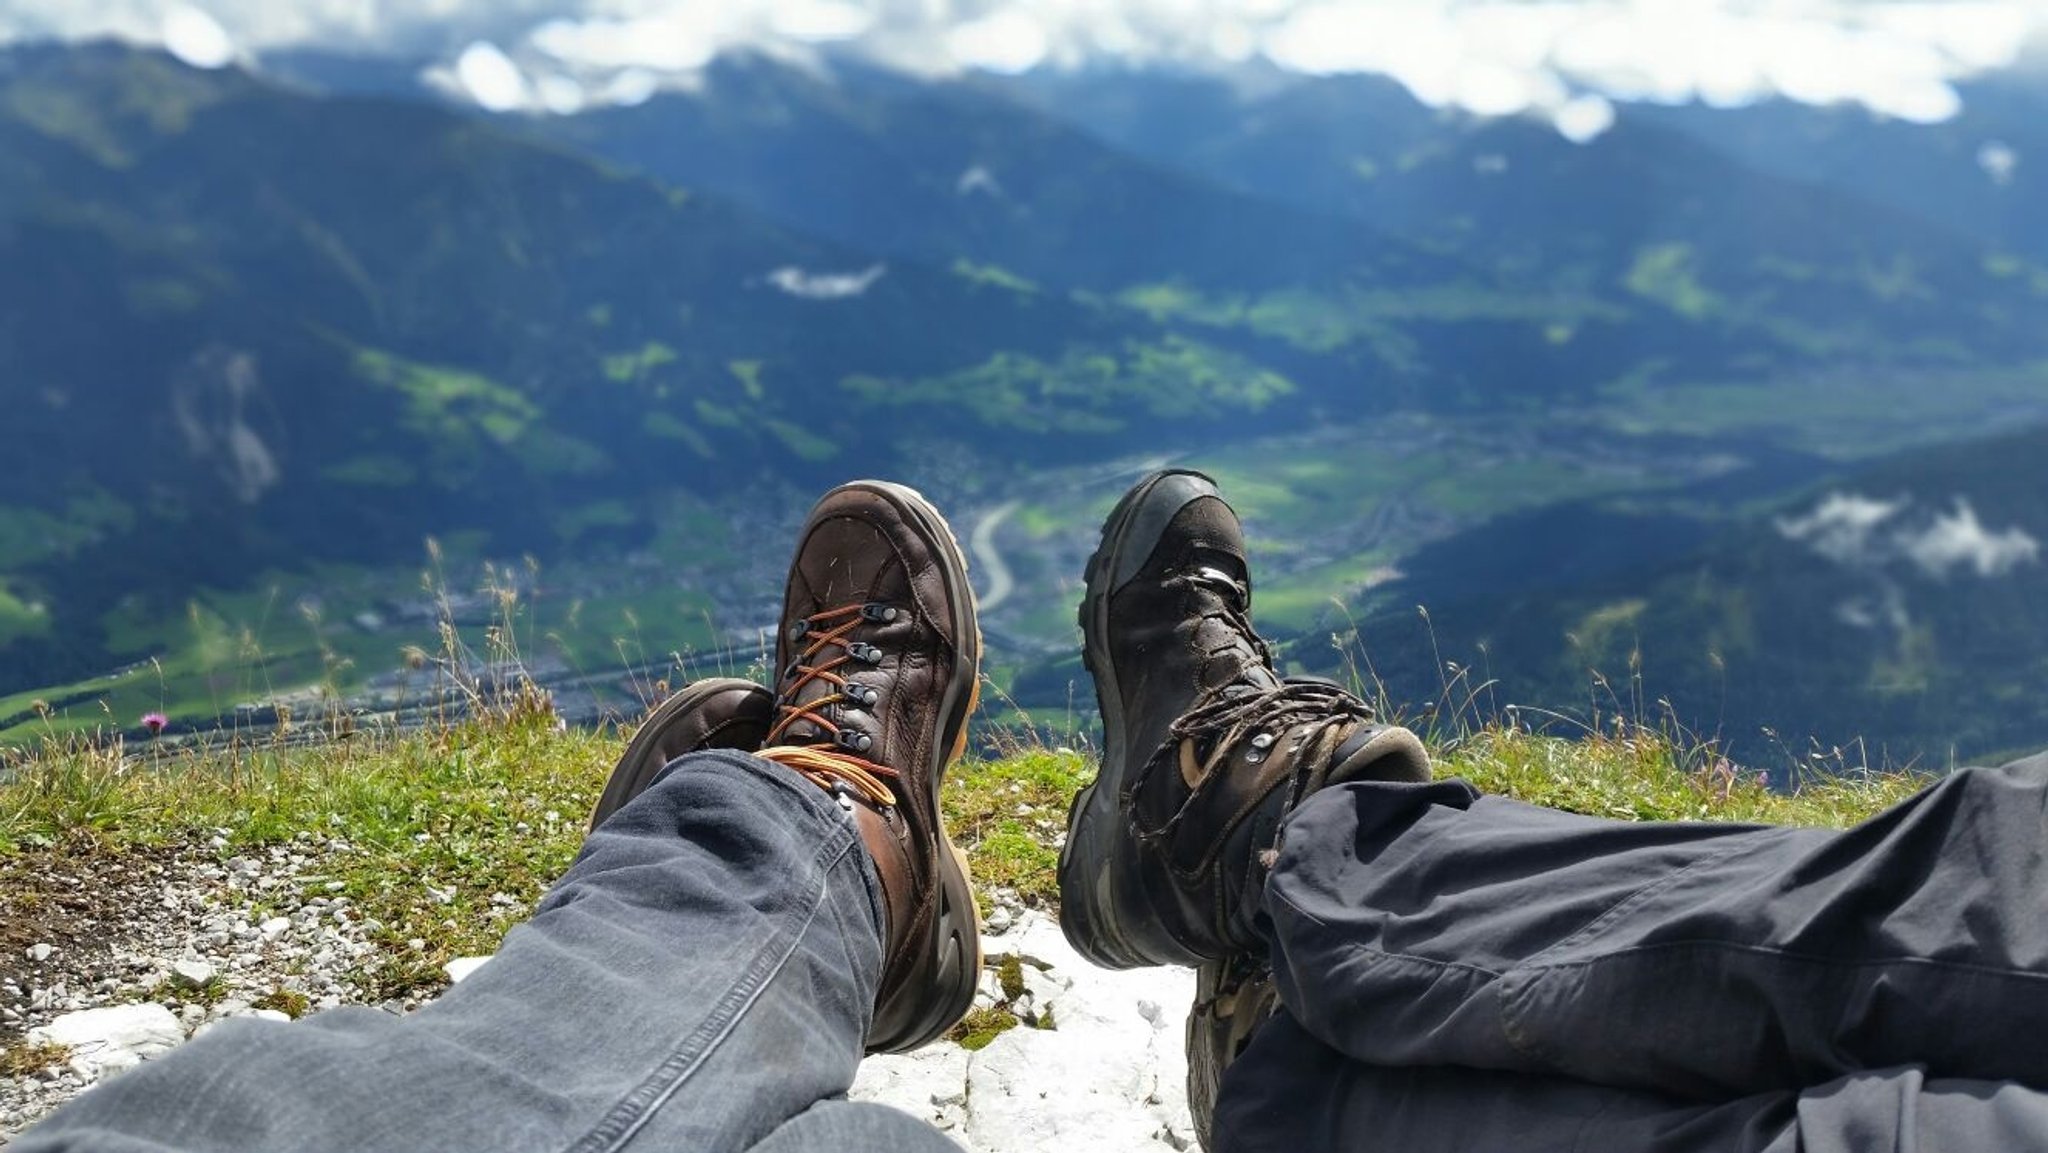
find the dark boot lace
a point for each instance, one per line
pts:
(1316, 712)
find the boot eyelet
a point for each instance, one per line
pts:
(798, 630)
(1262, 741)
(865, 653)
(878, 612)
(865, 696)
(855, 740)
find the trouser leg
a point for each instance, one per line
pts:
(855, 1127)
(1289, 1093)
(1427, 925)
(705, 971)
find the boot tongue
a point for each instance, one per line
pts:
(1230, 657)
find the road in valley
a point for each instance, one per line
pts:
(983, 544)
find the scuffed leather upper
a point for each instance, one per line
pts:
(857, 549)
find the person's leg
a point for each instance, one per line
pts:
(722, 926)
(1428, 925)
(1290, 1093)
(855, 1127)
(730, 941)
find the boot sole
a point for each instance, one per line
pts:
(958, 943)
(1091, 914)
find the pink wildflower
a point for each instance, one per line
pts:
(155, 722)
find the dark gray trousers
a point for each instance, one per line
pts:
(1464, 972)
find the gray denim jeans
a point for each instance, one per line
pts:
(1468, 973)
(701, 979)
(1461, 973)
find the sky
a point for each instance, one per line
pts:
(1569, 60)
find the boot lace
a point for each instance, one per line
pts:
(1239, 712)
(822, 633)
(842, 774)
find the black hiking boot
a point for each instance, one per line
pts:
(714, 713)
(879, 656)
(1205, 746)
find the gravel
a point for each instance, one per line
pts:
(205, 934)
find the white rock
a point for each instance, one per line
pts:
(277, 1015)
(40, 951)
(274, 926)
(462, 967)
(1109, 1077)
(930, 1084)
(998, 921)
(191, 974)
(107, 1040)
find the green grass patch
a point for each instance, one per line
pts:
(453, 834)
(24, 1058)
(1666, 273)
(1005, 814)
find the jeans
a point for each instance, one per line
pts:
(701, 979)
(1469, 973)
(1459, 972)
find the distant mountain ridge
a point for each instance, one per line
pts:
(1896, 611)
(252, 329)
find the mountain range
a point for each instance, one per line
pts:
(272, 330)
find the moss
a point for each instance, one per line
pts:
(26, 1058)
(981, 1026)
(1010, 976)
(290, 1002)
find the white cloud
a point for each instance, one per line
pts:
(820, 20)
(1879, 535)
(197, 38)
(490, 77)
(1584, 118)
(1958, 540)
(1011, 41)
(1899, 58)
(1843, 527)
(1998, 160)
(825, 285)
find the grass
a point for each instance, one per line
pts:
(27, 1058)
(451, 834)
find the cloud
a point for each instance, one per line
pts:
(1878, 535)
(1998, 160)
(197, 38)
(1843, 527)
(1958, 540)
(1565, 59)
(825, 285)
(490, 78)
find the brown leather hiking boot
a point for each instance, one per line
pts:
(713, 713)
(879, 656)
(1205, 746)
(1233, 997)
